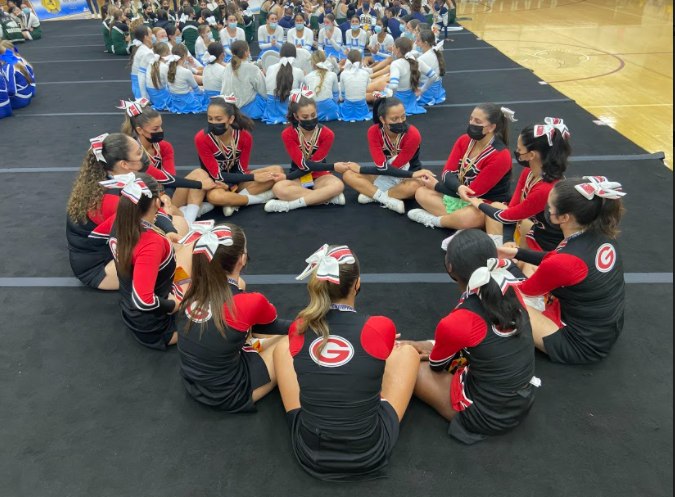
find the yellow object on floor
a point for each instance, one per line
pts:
(613, 57)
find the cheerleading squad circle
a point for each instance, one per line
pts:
(540, 269)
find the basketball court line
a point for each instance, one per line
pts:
(290, 279)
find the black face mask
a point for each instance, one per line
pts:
(524, 163)
(218, 129)
(145, 162)
(547, 216)
(309, 124)
(156, 137)
(475, 132)
(398, 128)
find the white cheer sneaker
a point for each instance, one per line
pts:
(423, 217)
(277, 206)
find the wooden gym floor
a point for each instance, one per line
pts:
(613, 57)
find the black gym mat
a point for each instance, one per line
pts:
(86, 411)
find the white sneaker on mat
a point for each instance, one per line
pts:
(228, 211)
(364, 199)
(393, 204)
(204, 209)
(423, 217)
(277, 206)
(339, 200)
(447, 241)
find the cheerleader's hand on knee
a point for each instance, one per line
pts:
(465, 193)
(428, 182)
(341, 167)
(354, 167)
(507, 252)
(277, 177)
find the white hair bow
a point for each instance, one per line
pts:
(230, 99)
(325, 65)
(552, 125)
(326, 263)
(172, 58)
(600, 186)
(208, 238)
(287, 61)
(212, 21)
(509, 114)
(304, 91)
(97, 147)
(209, 59)
(132, 187)
(440, 47)
(134, 108)
(497, 270)
(137, 43)
(411, 56)
(156, 58)
(352, 66)
(184, 18)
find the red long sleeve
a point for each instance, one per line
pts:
(205, 149)
(376, 146)
(457, 154)
(168, 158)
(556, 271)
(294, 149)
(493, 171)
(245, 147)
(150, 253)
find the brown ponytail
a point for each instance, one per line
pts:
(181, 51)
(319, 57)
(428, 37)
(239, 49)
(163, 50)
(129, 223)
(140, 33)
(285, 75)
(208, 291)
(322, 294)
(405, 45)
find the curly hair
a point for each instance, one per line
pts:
(87, 194)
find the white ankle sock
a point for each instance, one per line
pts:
(381, 196)
(191, 212)
(298, 204)
(252, 199)
(437, 222)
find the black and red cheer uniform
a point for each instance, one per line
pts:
(406, 149)
(88, 252)
(344, 430)
(163, 169)
(308, 156)
(488, 175)
(227, 164)
(145, 292)
(493, 392)
(223, 371)
(528, 202)
(585, 279)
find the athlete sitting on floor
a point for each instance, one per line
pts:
(583, 277)
(480, 162)
(146, 262)
(543, 150)
(218, 367)
(224, 150)
(308, 143)
(344, 384)
(394, 144)
(483, 354)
